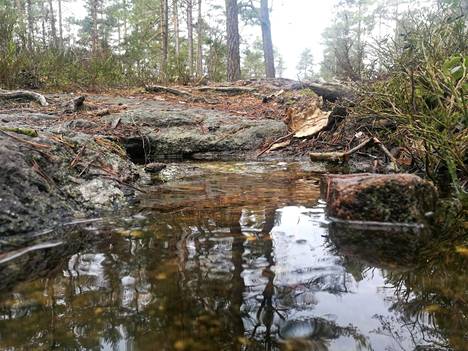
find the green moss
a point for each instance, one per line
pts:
(25, 131)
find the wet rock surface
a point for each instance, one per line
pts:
(49, 179)
(168, 131)
(397, 198)
(83, 165)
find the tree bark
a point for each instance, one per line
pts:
(44, 19)
(94, 28)
(164, 37)
(190, 35)
(200, 41)
(60, 24)
(267, 39)
(175, 9)
(53, 25)
(233, 40)
(30, 25)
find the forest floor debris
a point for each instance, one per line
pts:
(78, 154)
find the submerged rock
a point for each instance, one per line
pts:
(397, 198)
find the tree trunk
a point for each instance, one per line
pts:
(176, 28)
(43, 24)
(53, 26)
(94, 28)
(21, 22)
(124, 4)
(190, 35)
(267, 40)
(164, 37)
(233, 40)
(60, 24)
(30, 25)
(200, 41)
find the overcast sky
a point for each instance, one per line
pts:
(296, 25)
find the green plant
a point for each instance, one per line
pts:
(425, 92)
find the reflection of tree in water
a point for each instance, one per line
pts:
(431, 301)
(204, 279)
(269, 315)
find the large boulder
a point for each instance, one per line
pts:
(397, 198)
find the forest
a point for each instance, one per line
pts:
(246, 175)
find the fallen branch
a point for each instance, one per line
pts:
(344, 156)
(178, 92)
(23, 94)
(162, 89)
(228, 90)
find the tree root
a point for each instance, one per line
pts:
(23, 94)
(344, 156)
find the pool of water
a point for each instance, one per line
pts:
(237, 258)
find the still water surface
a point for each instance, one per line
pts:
(236, 259)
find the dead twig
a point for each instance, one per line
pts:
(36, 168)
(77, 157)
(125, 184)
(344, 156)
(285, 137)
(31, 143)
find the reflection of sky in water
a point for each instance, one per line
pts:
(310, 284)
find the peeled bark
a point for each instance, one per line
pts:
(233, 40)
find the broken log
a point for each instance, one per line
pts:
(24, 95)
(344, 156)
(73, 105)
